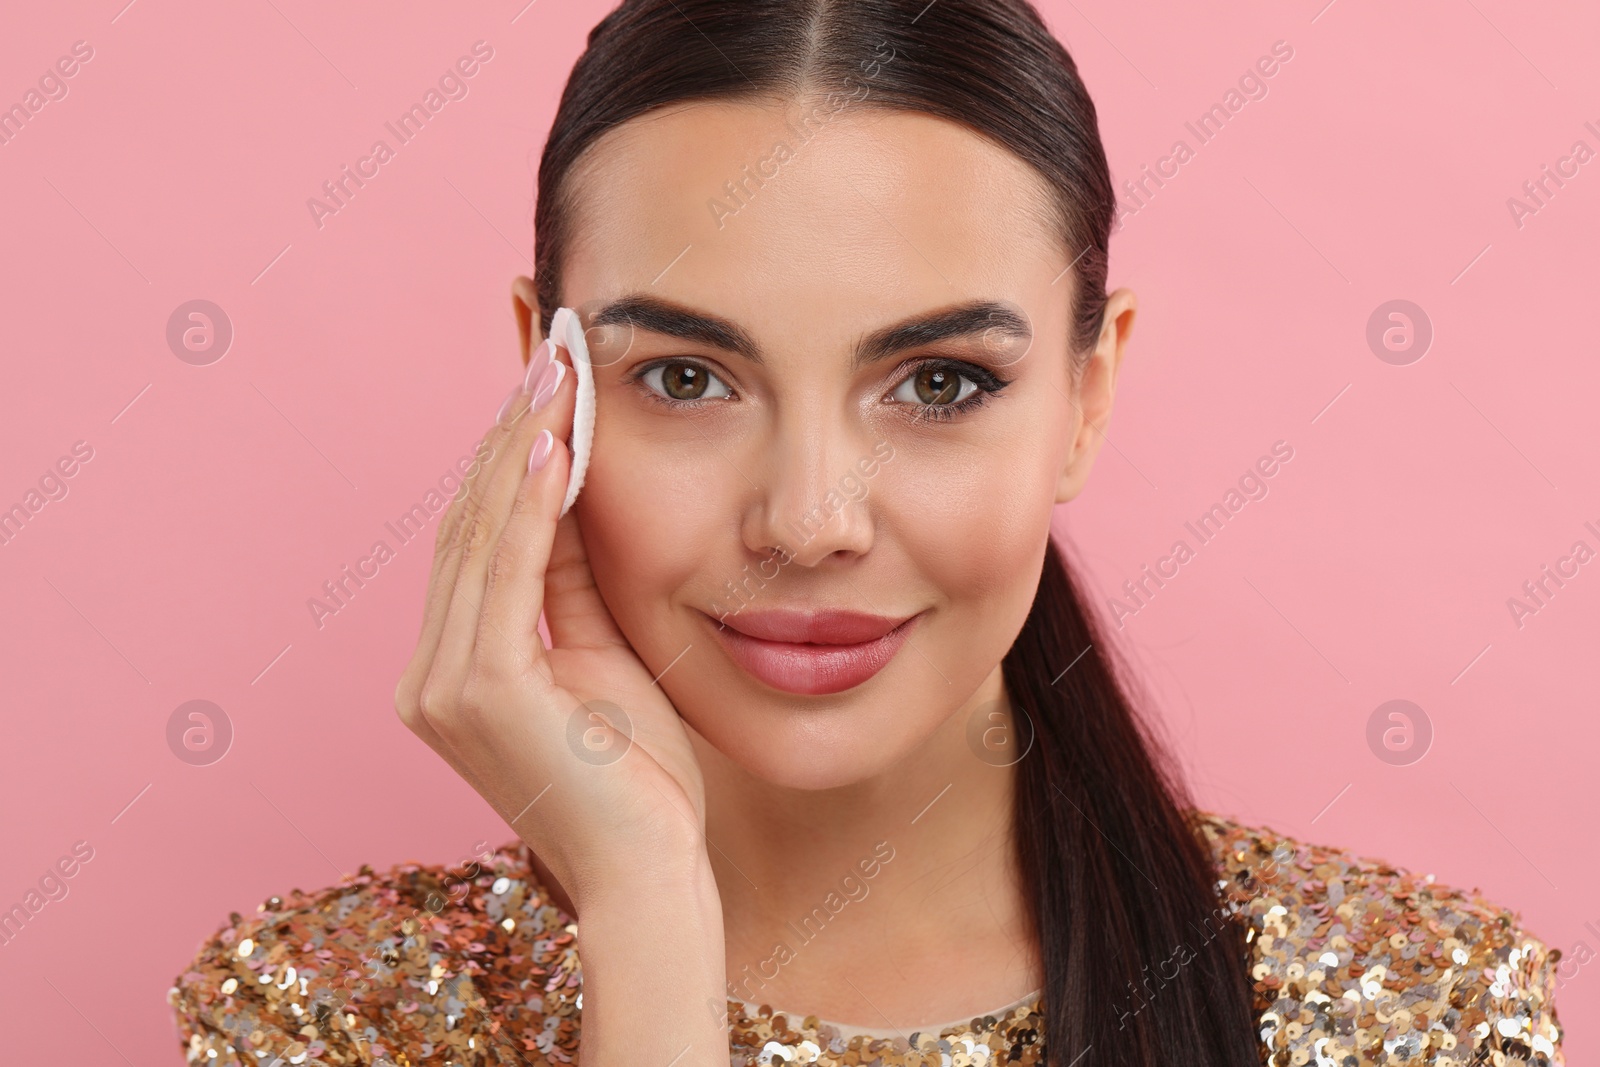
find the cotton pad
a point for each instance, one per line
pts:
(566, 331)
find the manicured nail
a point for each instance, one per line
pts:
(536, 366)
(507, 403)
(548, 385)
(541, 450)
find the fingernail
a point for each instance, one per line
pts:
(536, 365)
(507, 403)
(549, 384)
(542, 445)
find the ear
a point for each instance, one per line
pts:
(1094, 391)
(525, 306)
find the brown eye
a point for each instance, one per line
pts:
(933, 385)
(681, 381)
(941, 390)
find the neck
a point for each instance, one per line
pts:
(904, 884)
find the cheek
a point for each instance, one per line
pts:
(648, 518)
(972, 524)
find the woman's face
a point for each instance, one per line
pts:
(832, 373)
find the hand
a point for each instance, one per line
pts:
(484, 692)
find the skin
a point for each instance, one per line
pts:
(739, 808)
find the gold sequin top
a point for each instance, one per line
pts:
(1354, 962)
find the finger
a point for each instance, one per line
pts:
(408, 703)
(540, 564)
(446, 548)
(458, 524)
(441, 582)
(573, 608)
(514, 589)
(505, 479)
(465, 526)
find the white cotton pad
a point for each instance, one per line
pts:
(566, 331)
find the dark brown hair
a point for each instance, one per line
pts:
(1120, 886)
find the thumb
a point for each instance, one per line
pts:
(575, 613)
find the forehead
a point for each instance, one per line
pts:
(776, 214)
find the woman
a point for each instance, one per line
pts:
(825, 760)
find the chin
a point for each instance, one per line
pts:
(854, 738)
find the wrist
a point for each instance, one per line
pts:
(677, 879)
(653, 954)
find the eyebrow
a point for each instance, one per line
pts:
(656, 315)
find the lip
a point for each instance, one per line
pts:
(812, 653)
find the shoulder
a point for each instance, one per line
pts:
(417, 964)
(1356, 961)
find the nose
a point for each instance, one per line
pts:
(810, 501)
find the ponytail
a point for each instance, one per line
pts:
(1141, 965)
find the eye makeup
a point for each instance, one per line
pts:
(652, 379)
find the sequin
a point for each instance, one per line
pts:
(1354, 962)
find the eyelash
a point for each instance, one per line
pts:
(987, 382)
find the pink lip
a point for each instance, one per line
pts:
(812, 653)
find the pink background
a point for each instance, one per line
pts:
(369, 354)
